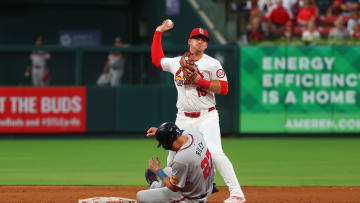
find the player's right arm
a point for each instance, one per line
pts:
(107, 66)
(157, 52)
(155, 167)
(151, 132)
(28, 69)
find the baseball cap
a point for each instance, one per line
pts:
(199, 31)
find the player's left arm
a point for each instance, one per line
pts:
(168, 184)
(217, 85)
(155, 167)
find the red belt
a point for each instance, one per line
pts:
(197, 114)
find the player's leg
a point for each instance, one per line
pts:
(114, 77)
(158, 195)
(42, 73)
(36, 76)
(209, 126)
(159, 192)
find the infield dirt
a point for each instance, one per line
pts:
(71, 194)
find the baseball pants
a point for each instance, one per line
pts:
(37, 77)
(208, 124)
(159, 193)
(115, 76)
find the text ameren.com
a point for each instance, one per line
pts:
(305, 72)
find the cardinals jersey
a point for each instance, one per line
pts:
(116, 61)
(191, 97)
(38, 59)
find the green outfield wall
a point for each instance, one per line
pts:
(299, 89)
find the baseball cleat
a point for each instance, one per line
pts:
(150, 176)
(214, 189)
(234, 199)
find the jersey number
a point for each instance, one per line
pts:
(201, 91)
(205, 165)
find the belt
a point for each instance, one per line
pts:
(197, 197)
(197, 114)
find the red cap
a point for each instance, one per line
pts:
(199, 31)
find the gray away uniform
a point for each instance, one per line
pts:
(192, 170)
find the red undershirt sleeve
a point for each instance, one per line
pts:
(156, 50)
(224, 87)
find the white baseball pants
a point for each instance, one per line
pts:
(37, 75)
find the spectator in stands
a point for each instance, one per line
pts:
(255, 33)
(266, 6)
(356, 31)
(324, 6)
(347, 6)
(114, 67)
(255, 14)
(308, 13)
(277, 19)
(310, 33)
(354, 19)
(256, 17)
(339, 31)
(331, 16)
(291, 6)
(288, 33)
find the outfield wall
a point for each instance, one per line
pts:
(146, 96)
(272, 89)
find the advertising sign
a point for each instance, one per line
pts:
(42, 110)
(300, 89)
(79, 37)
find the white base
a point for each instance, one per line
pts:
(107, 200)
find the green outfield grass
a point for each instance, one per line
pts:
(257, 161)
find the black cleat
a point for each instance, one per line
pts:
(214, 189)
(150, 176)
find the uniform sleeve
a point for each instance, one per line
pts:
(170, 64)
(217, 72)
(179, 174)
(157, 52)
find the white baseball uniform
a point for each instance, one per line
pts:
(38, 67)
(192, 170)
(196, 110)
(117, 65)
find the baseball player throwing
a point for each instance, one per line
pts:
(198, 77)
(38, 67)
(191, 175)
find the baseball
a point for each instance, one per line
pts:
(169, 22)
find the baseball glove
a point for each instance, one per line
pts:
(189, 67)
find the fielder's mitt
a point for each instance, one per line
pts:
(188, 66)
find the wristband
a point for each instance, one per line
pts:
(204, 83)
(161, 174)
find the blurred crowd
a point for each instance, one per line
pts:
(303, 19)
